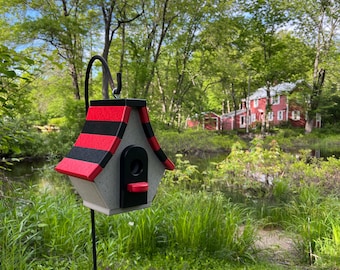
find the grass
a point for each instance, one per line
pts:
(48, 228)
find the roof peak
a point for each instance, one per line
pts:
(274, 90)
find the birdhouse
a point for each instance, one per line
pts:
(116, 163)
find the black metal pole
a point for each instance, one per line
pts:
(93, 233)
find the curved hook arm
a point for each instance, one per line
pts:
(107, 73)
(116, 91)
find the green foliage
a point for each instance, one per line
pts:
(175, 62)
(74, 111)
(209, 223)
(14, 78)
(186, 175)
(252, 172)
(296, 198)
(12, 136)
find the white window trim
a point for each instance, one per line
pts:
(275, 100)
(280, 115)
(296, 115)
(318, 117)
(256, 103)
(270, 116)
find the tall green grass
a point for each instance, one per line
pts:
(42, 228)
(45, 226)
(315, 219)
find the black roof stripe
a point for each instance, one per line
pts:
(90, 155)
(148, 130)
(104, 128)
(161, 155)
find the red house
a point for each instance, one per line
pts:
(283, 109)
(209, 121)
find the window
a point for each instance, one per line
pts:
(280, 115)
(253, 117)
(256, 103)
(242, 121)
(270, 116)
(296, 115)
(275, 100)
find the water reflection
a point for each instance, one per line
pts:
(325, 153)
(26, 171)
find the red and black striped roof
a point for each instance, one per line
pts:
(102, 133)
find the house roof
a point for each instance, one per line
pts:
(232, 114)
(274, 90)
(196, 116)
(102, 133)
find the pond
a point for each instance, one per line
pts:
(27, 170)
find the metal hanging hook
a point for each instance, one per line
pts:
(116, 91)
(107, 73)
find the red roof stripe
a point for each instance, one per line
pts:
(169, 165)
(98, 141)
(78, 168)
(108, 113)
(143, 114)
(154, 143)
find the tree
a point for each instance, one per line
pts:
(318, 21)
(265, 19)
(159, 17)
(63, 25)
(14, 78)
(187, 73)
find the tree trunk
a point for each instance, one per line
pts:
(75, 82)
(309, 125)
(327, 21)
(233, 96)
(107, 14)
(165, 26)
(105, 80)
(265, 127)
(161, 91)
(122, 53)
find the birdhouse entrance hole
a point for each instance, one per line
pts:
(136, 167)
